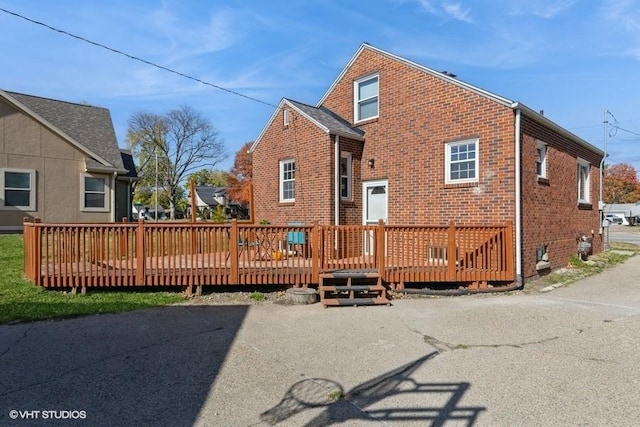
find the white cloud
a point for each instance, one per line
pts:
(546, 9)
(457, 11)
(449, 9)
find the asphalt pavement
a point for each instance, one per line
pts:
(564, 358)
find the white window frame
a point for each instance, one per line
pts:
(448, 161)
(582, 165)
(105, 192)
(285, 117)
(541, 158)
(284, 178)
(32, 189)
(357, 101)
(347, 177)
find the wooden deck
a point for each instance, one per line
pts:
(205, 254)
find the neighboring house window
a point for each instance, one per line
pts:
(583, 181)
(287, 180)
(18, 189)
(541, 159)
(461, 161)
(345, 176)
(366, 98)
(94, 191)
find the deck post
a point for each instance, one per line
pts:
(451, 253)
(316, 252)
(234, 240)
(380, 246)
(509, 246)
(37, 251)
(140, 253)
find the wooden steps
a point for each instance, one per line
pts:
(353, 288)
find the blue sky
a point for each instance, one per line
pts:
(573, 59)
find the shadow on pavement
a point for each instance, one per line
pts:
(151, 367)
(367, 400)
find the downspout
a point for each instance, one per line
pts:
(113, 197)
(336, 167)
(518, 222)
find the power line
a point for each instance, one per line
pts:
(135, 58)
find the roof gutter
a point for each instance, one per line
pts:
(528, 112)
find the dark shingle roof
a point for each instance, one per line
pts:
(129, 164)
(89, 126)
(207, 194)
(334, 123)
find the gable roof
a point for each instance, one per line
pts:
(88, 128)
(207, 194)
(365, 46)
(514, 105)
(322, 117)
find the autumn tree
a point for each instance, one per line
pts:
(169, 147)
(211, 177)
(240, 177)
(621, 184)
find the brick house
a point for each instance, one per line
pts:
(395, 140)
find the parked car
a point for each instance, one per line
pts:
(613, 219)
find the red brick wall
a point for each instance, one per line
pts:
(550, 212)
(418, 113)
(312, 150)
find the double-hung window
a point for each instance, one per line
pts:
(366, 91)
(287, 180)
(18, 189)
(583, 181)
(541, 159)
(461, 161)
(94, 193)
(345, 176)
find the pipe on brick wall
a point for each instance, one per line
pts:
(518, 222)
(336, 196)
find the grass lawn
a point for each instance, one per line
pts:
(21, 301)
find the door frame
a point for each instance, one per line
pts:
(369, 248)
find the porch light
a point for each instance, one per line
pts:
(371, 163)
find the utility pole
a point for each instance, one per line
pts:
(604, 227)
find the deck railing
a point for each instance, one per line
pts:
(197, 254)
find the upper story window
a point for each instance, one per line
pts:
(287, 180)
(584, 169)
(366, 91)
(345, 176)
(94, 193)
(541, 159)
(18, 189)
(461, 161)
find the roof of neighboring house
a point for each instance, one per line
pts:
(208, 194)
(129, 164)
(88, 128)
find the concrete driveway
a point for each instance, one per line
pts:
(564, 358)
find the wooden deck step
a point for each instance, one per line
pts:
(352, 288)
(334, 288)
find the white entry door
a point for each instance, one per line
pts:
(374, 195)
